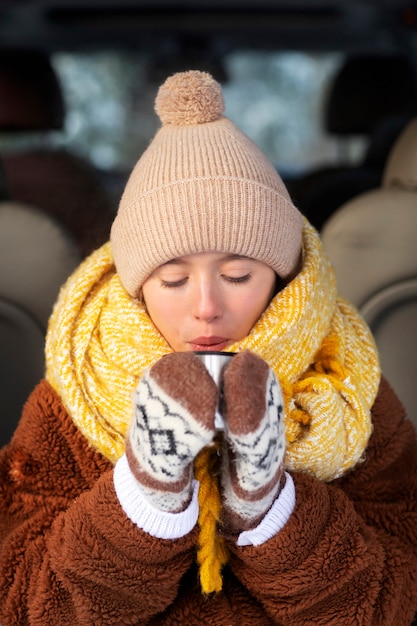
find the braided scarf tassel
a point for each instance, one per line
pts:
(212, 552)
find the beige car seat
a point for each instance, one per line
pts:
(36, 257)
(372, 243)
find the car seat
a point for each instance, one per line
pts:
(372, 244)
(37, 254)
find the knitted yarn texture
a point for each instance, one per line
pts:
(100, 341)
(201, 185)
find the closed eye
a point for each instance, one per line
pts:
(171, 284)
(238, 280)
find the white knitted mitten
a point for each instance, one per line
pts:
(175, 404)
(254, 450)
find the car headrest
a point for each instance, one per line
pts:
(401, 167)
(30, 93)
(368, 89)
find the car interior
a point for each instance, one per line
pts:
(327, 88)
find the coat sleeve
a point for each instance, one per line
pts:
(68, 553)
(348, 554)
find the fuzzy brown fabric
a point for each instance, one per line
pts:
(69, 555)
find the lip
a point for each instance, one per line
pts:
(201, 344)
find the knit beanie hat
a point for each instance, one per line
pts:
(201, 186)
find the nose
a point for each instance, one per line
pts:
(207, 302)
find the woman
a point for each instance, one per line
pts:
(302, 511)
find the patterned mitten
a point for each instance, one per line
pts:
(253, 456)
(175, 404)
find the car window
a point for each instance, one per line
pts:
(110, 97)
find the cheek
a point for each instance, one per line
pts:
(257, 301)
(247, 312)
(166, 314)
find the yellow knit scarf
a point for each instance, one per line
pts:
(100, 341)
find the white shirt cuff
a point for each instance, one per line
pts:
(150, 519)
(276, 518)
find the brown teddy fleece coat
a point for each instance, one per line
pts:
(70, 556)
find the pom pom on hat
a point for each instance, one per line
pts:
(189, 98)
(201, 186)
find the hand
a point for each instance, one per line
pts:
(175, 404)
(254, 446)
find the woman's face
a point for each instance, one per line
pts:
(208, 301)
